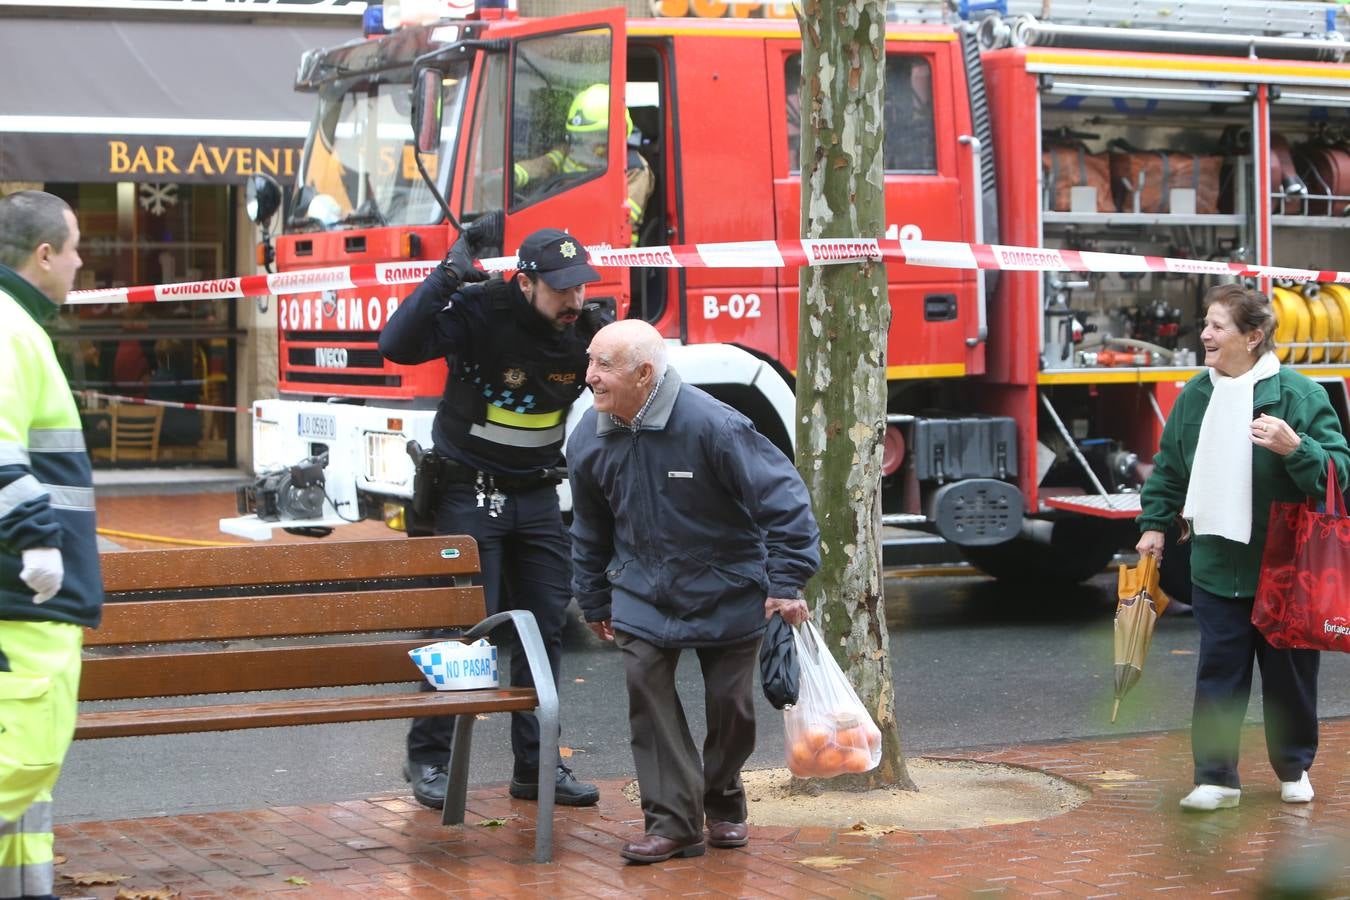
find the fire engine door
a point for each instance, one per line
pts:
(543, 146)
(928, 196)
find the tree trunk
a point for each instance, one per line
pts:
(841, 381)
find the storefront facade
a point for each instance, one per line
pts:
(147, 116)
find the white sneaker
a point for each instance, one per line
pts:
(1209, 797)
(1296, 791)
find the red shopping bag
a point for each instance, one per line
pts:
(1303, 597)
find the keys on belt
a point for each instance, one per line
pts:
(485, 488)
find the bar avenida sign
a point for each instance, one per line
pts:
(253, 7)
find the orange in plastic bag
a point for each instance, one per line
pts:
(828, 730)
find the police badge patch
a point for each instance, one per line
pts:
(567, 249)
(513, 378)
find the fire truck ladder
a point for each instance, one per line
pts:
(1247, 17)
(1216, 27)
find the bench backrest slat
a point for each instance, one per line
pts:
(264, 669)
(277, 564)
(225, 618)
(327, 614)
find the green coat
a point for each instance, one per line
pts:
(1223, 567)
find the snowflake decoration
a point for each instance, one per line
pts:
(155, 198)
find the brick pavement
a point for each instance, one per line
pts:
(1128, 840)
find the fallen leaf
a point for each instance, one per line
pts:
(578, 680)
(861, 827)
(1112, 775)
(85, 879)
(481, 717)
(58, 859)
(296, 879)
(827, 862)
(145, 894)
(492, 823)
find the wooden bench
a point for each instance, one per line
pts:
(168, 612)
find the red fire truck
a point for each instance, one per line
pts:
(1024, 405)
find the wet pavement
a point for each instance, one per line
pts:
(1128, 840)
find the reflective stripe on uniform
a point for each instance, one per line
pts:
(65, 497)
(55, 440)
(26, 853)
(12, 454)
(523, 420)
(517, 437)
(20, 491)
(38, 817)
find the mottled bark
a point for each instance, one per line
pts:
(841, 382)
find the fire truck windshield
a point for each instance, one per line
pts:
(359, 168)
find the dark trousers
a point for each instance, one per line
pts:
(1223, 682)
(525, 564)
(677, 789)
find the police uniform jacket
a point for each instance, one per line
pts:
(682, 528)
(512, 377)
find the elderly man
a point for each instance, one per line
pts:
(689, 530)
(50, 585)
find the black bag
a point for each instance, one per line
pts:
(778, 670)
(426, 480)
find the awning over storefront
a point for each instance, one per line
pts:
(188, 102)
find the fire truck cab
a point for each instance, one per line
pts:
(1024, 406)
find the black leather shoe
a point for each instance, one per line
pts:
(429, 783)
(728, 834)
(568, 792)
(653, 848)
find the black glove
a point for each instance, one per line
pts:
(594, 316)
(458, 262)
(485, 231)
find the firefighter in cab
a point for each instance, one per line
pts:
(585, 149)
(517, 354)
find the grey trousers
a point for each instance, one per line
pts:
(677, 788)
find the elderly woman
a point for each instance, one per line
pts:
(1244, 434)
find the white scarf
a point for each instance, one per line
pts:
(1219, 496)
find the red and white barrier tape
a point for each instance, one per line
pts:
(736, 255)
(169, 404)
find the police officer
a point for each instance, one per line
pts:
(517, 355)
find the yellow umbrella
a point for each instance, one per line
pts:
(1141, 602)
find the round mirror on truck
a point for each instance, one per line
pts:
(426, 111)
(262, 198)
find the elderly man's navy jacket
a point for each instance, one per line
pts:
(683, 527)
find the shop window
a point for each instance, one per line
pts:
(174, 352)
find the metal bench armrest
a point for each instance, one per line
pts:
(542, 674)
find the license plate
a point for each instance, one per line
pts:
(322, 427)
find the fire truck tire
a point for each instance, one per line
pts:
(1076, 552)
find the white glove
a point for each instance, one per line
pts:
(43, 571)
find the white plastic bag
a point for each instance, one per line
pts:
(829, 732)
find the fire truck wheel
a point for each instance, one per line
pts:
(1076, 552)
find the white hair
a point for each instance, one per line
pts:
(642, 344)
